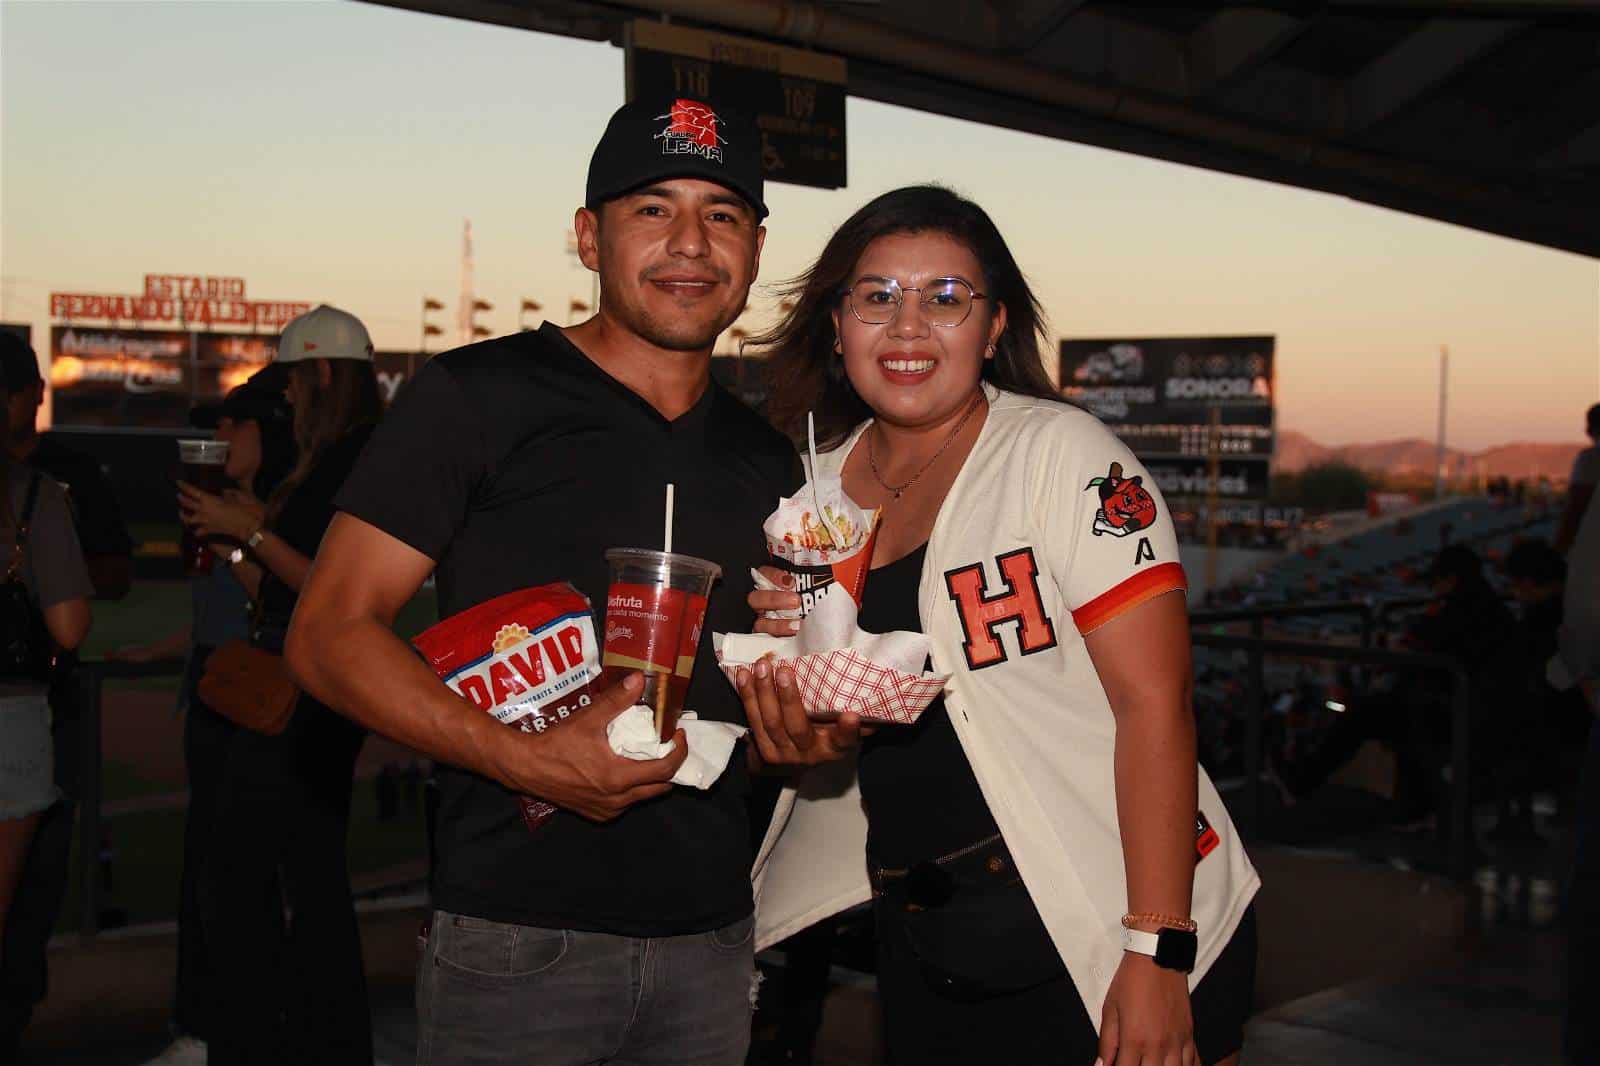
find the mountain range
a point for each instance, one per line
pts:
(1520, 459)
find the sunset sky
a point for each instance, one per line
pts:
(329, 152)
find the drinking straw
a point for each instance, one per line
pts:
(668, 537)
(816, 499)
(664, 680)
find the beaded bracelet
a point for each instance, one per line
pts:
(1169, 921)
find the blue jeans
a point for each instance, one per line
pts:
(490, 993)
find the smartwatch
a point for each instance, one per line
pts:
(1172, 949)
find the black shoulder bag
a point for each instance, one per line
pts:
(26, 650)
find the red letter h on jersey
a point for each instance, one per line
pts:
(981, 615)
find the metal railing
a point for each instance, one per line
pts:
(1257, 647)
(90, 678)
(1370, 615)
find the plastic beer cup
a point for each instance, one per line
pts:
(202, 463)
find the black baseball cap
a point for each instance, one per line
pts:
(19, 366)
(247, 402)
(676, 137)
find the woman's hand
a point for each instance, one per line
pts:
(234, 514)
(783, 735)
(1146, 1019)
(762, 602)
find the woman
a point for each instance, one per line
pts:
(254, 419)
(38, 550)
(295, 995)
(1043, 829)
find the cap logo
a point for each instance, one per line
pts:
(691, 130)
(310, 346)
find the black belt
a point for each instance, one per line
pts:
(932, 883)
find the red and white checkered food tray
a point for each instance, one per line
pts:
(833, 682)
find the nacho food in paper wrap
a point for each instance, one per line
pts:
(824, 539)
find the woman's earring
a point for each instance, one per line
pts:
(990, 353)
(838, 346)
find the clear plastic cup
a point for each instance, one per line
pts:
(655, 610)
(203, 464)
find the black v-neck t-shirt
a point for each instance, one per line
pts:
(518, 462)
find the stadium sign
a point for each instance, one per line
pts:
(1160, 394)
(187, 299)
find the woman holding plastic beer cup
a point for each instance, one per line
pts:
(1053, 878)
(284, 809)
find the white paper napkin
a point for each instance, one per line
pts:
(831, 626)
(633, 736)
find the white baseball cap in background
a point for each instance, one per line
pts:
(324, 333)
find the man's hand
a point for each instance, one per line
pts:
(1146, 1019)
(762, 602)
(572, 765)
(782, 732)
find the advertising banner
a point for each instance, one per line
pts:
(1160, 394)
(120, 377)
(149, 379)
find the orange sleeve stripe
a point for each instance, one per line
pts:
(1145, 585)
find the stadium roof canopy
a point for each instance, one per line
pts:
(1485, 113)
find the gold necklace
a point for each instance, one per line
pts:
(872, 457)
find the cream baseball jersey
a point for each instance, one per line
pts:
(1051, 530)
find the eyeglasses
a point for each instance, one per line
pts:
(945, 302)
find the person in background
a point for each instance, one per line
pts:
(1581, 484)
(1577, 666)
(1543, 732)
(107, 547)
(254, 419)
(284, 804)
(52, 570)
(1466, 621)
(107, 550)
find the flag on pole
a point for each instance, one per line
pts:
(430, 304)
(531, 306)
(578, 305)
(430, 330)
(482, 305)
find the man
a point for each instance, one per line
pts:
(621, 929)
(107, 548)
(1581, 484)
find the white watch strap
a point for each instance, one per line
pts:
(1140, 941)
